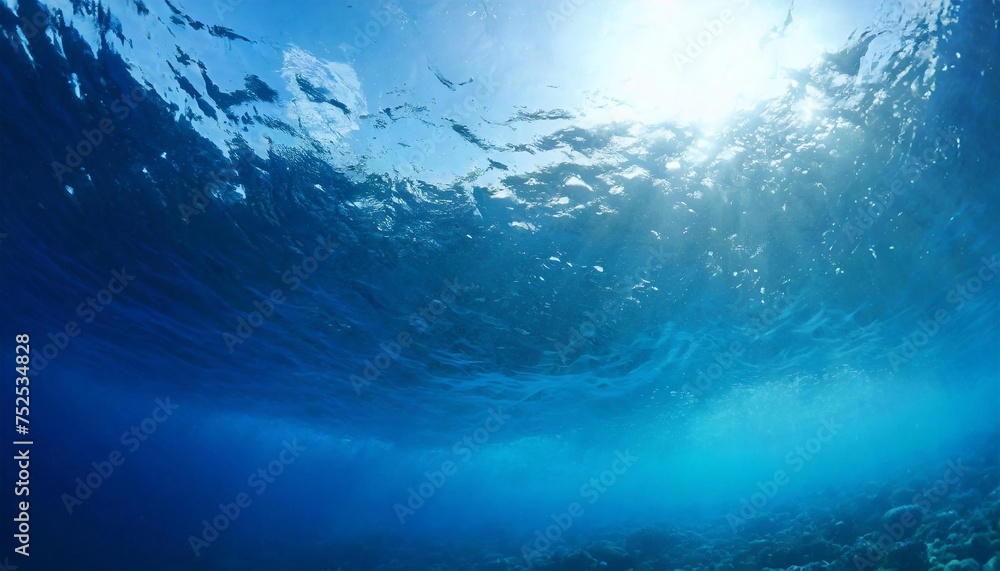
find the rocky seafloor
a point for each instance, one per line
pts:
(937, 516)
(943, 519)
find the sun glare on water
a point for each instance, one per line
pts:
(694, 63)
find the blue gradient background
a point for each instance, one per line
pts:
(738, 233)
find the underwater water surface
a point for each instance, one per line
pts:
(481, 285)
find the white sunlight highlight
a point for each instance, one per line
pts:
(694, 63)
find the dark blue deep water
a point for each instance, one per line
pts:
(481, 285)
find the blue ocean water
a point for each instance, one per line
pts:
(482, 285)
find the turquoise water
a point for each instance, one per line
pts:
(502, 286)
